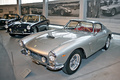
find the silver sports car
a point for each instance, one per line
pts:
(64, 49)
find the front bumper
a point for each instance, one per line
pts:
(106, 11)
(37, 58)
(19, 31)
(2, 27)
(68, 11)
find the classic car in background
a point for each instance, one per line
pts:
(61, 9)
(31, 23)
(111, 8)
(64, 49)
(8, 19)
(36, 10)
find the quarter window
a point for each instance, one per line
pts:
(42, 18)
(97, 28)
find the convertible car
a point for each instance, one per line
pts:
(64, 49)
(31, 23)
(8, 19)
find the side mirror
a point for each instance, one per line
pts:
(104, 31)
(94, 33)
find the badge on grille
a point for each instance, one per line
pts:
(35, 45)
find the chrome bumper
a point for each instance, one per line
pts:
(20, 33)
(48, 64)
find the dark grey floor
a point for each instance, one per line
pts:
(6, 68)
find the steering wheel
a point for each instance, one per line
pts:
(87, 29)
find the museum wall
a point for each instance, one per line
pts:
(8, 9)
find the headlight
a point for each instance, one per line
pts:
(28, 27)
(10, 29)
(21, 43)
(52, 56)
(6, 22)
(6, 26)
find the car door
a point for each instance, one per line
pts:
(100, 36)
(43, 23)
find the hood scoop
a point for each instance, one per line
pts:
(50, 35)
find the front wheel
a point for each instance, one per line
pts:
(35, 30)
(62, 12)
(12, 35)
(73, 62)
(113, 12)
(52, 11)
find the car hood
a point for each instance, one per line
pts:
(108, 7)
(19, 24)
(47, 42)
(6, 19)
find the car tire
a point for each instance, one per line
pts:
(113, 12)
(35, 30)
(62, 12)
(73, 62)
(107, 43)
(52, 11)
(12, 35)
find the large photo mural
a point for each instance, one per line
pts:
(31, 8)
(68, 9)
(103, 9)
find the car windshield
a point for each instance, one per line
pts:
(80, 26)
(30, 18)
(9, 16)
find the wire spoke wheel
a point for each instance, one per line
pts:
(34, 30)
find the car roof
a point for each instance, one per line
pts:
(85, 20)
(33, 14)
(10, 14)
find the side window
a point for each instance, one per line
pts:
(97, 28)
(42, 18)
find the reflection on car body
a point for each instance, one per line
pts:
(31, 23)
(8, 19)
(64, 49)
(112, 8)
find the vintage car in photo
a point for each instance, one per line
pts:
(8, 19)
(31, 23)
(61, 9)
(65, 48)
(111, 8)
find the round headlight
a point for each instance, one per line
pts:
(6, 22)
(29, 52)
(43, 59)
(21, 43)
(10, 29)
(52, 56)
(6, 26)
(28, 27)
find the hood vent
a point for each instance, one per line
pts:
(50, 35)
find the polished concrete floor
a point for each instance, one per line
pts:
(103, 65)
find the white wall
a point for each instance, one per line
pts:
(8, 2)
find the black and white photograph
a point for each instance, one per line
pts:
(64, 9)
(35, 8)
(103, 9)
